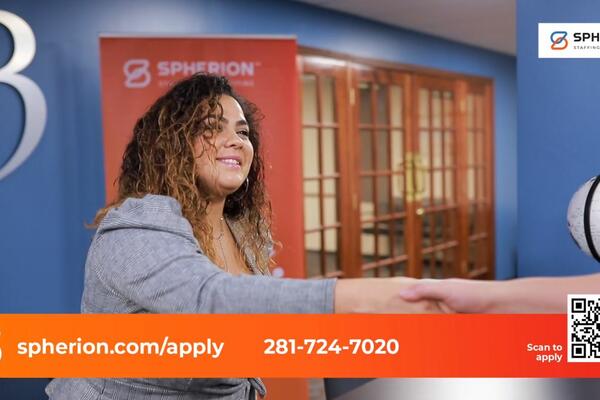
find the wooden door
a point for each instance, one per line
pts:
(479, 219)
(324, 91)
(381, 135)
(398, 171)
(434, 155)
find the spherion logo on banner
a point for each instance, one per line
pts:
(138, 75)
(568, 40)
(231, 69)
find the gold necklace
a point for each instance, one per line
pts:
(221, 234)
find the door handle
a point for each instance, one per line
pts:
(409, 189)
(419, 177)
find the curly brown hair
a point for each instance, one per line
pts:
(160, 159)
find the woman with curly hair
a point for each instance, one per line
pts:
(190, 233)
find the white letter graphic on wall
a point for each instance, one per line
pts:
(33, 98)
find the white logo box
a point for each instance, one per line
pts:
(586, 48)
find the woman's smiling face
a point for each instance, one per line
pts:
(223, 158)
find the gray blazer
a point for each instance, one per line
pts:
(144, 259)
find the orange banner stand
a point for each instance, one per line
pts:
(287, 346)
(135, 71)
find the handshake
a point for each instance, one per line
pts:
(426, 296)
(408, 296)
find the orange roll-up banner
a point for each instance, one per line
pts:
(135, 71)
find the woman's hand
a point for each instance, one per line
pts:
(380, 296)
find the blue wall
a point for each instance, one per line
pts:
(559, 141)
(45, 203)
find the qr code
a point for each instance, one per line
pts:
(584, 328)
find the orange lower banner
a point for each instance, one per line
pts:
(56, 345)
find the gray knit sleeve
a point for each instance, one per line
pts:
(165, 273)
